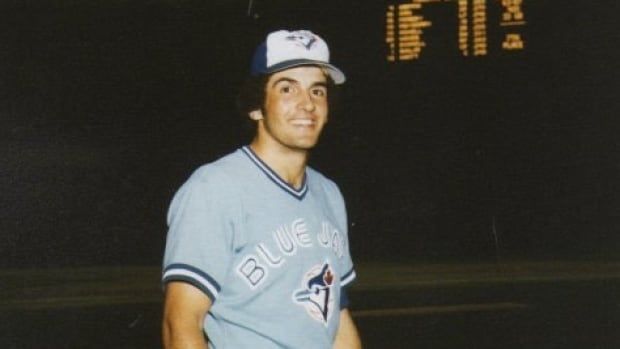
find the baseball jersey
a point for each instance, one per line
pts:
(272, 258)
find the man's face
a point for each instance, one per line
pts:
(295, 108)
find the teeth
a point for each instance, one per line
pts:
(303, 122)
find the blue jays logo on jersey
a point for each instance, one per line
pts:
(316, 294)
(302, 38)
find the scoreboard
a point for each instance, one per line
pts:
(406, 24)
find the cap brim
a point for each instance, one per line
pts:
(336, 74)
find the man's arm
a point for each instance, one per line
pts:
(185, 307)
(347, 336)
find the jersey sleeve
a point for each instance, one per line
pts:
(200, 234)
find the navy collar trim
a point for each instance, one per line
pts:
(299, 194)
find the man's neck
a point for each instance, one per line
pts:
(289, 164)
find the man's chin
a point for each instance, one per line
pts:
(304, 146)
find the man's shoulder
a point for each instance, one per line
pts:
(223, 168)
(211, 182)
(217, 179)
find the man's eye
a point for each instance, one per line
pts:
(286, 89)
(319, 92)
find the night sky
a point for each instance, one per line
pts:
(106, 107)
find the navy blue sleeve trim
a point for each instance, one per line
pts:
(179, 278)
(344, 298)
(193, 276)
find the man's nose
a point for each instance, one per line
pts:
(306, 102)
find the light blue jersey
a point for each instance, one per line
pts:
(273, 259)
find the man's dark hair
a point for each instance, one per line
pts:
(251, 95)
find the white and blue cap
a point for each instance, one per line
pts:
(285, 49)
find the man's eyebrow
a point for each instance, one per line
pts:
(284, 79)
(293, 81)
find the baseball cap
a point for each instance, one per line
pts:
(285, 49)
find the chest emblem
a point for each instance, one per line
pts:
(317, 294)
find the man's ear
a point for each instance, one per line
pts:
(256, 115)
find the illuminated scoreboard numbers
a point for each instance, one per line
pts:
(513, 42)
(479, 14)
(513, 11)
(410, 28)
(405, 25)
(410, 43)
(513, 18)
(404, 30)
(390, 35)
(463, 32)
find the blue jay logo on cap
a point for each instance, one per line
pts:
(302, 38)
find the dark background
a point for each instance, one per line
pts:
(106, 107)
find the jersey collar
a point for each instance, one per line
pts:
(299, 194)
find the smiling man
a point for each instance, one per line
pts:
(257, 254)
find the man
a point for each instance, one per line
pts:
(257, 251)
